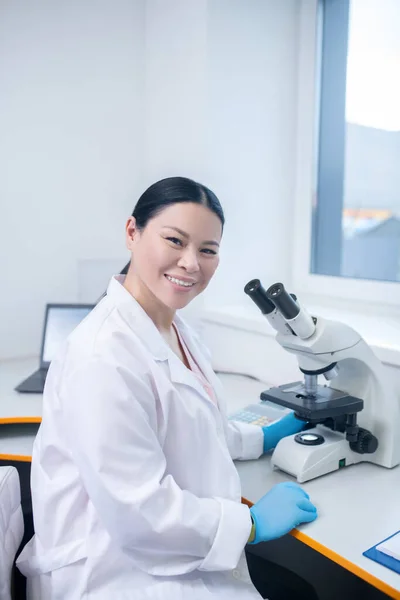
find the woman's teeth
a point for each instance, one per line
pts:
(179, 281)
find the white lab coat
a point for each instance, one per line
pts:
(134, 491)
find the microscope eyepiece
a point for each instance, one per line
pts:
(283, 301)
(257, 293)
(281, 310)
(299, 321)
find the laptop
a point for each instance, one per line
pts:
(59, 321)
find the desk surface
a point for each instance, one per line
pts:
(358, 506)
(15, 407)
(16, 441)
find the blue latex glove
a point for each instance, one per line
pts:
(288, 425)
(278, 512)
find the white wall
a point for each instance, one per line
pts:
(221, 107)
(252, 74)
(175, 89)
(71, 105)
(100, 99)
(175, 96)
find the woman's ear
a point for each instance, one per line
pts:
(131, 232)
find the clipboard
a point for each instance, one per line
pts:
(384, 559)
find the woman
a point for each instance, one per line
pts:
(134, 491)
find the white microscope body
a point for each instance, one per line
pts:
(356, 414)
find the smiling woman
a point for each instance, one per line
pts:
(173, 236)
(135, 493)
(172, 191)
(173, 257)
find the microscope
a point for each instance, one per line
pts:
(354, 416)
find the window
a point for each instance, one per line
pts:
(356, 214)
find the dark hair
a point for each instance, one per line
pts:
(173, 190)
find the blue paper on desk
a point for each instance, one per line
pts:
(391, 560)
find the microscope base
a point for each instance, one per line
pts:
(305, 462)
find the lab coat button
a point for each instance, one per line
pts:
(236, 573)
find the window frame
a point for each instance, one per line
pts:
(308, 162)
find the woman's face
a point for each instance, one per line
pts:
(176, 254)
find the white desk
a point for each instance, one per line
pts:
(16, 441)
(358, 506)
(15, 407)
(20, 414)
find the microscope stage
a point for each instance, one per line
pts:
(328, 402)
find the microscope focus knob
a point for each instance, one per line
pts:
(366, 442)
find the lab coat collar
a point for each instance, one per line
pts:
(180, 374)
(139, 321)
(137, 318)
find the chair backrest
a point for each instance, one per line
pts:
(11, 526)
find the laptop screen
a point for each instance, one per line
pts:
(60, 322)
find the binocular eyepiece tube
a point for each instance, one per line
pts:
(257, 293)
(283, 301)
(281, 309)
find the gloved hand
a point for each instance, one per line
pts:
(288, 425)
(280, 510)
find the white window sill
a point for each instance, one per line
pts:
(382, 333)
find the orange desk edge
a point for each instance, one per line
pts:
(343, 562)
(15, 458)
(18, 420)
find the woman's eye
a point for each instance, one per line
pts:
(208, 251)
(174, 240)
